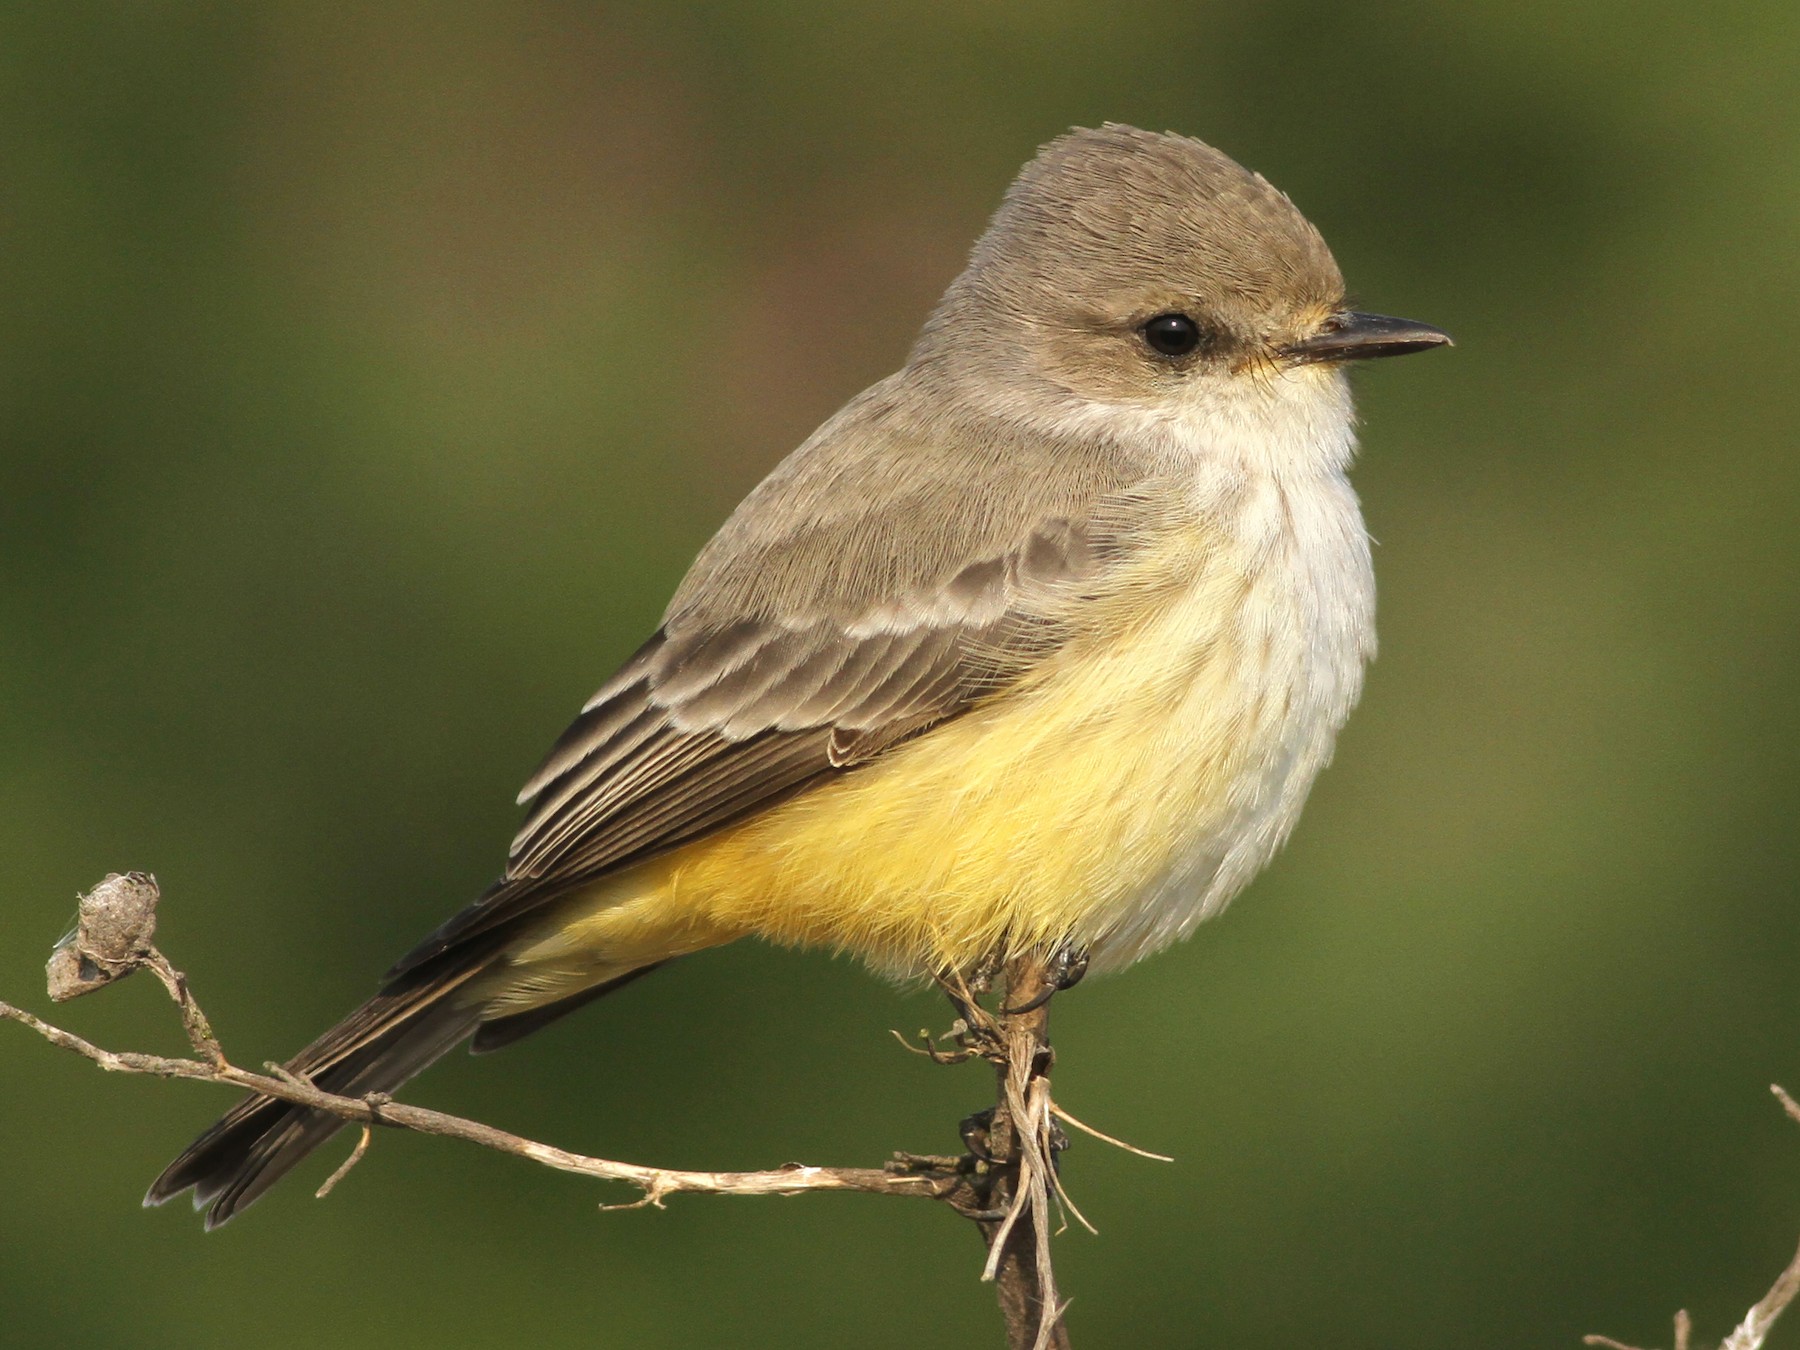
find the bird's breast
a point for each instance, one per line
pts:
(1262, 659)
(1122, 793)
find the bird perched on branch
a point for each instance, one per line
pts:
(1037, 645)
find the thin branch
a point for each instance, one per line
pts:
(1754, 1329)
(1788, 1104)
(1021, 1132)
(356, 1156)
(1067, 1202)
(1068, 1119)
(655, 1182)
(1684, 1330)
(193, 1021)
(1006, 1182)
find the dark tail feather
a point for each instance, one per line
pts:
(400, 1032)
(393, 1036)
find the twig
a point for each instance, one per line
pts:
(655, 1182)
(1788, 1104)
(193, 1021)
(356, 1156)
(1007, 1184)
(927, 1048)
(1019, 1243)
(1067, 1201)
(1754, 1329)
(1068, 1119)
(1684, 1330)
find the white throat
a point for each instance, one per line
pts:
(1265, 463)
(1289, 424)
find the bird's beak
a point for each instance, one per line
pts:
(1361, 337)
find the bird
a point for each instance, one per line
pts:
(1035, 647)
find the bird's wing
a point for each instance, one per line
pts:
(766, 678)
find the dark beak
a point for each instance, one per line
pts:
(1362, 337)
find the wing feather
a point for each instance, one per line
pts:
(711, 721)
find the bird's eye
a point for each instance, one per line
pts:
(1172, 334)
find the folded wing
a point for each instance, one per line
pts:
(711, 721)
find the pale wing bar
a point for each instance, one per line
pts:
(702, 728)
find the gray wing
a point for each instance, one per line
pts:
(706, 724)
(853, 601)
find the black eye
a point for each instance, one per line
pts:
(1172, 334)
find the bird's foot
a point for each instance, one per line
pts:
(1063, 970)
(974, 1131)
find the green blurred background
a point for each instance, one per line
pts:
(367, 378)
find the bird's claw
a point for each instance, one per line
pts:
(1067, 964)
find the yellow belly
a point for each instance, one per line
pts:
(1057, 810)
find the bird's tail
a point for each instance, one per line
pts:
(402, 1030)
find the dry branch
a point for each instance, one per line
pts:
(1760, 1320)
(1006, 1182)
